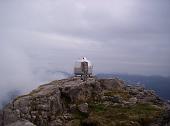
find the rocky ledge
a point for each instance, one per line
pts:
(96, 102)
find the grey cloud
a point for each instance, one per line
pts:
(37, 36)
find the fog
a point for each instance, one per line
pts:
(40, 38)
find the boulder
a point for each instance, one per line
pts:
(81, 92)
(133, 91)
(113, 99)
(110, 84)
(21, 123)
(72, 107)
(10, 115)
(133, 100)
(83, 108)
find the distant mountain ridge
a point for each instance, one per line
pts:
(158, 83)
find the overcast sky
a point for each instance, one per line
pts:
(125, 36)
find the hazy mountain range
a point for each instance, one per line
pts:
(158, 83)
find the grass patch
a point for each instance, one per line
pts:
(80, 115)
(121, 93)
(97, 107)
(141, 114)
(75, 122)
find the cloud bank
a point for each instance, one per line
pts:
(37, 36)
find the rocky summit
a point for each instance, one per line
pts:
(95, 102)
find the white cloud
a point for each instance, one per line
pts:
(37, 36)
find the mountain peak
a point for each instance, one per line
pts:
(94, 102)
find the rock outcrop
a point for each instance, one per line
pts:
(96, 102)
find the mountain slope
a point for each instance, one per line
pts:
(158, 83)
(95, 102)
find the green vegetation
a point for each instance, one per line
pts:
(121, 93)
(75, 122)
(138, 115)
(79, 115)
(97, 107)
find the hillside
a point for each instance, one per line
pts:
(95, 102)
(159, 84)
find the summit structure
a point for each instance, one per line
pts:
(83, 68)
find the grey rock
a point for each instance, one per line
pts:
(114, 99)
(72, 107)
(107, 103)
(21, 123)
(9, 115)
(54, 104)
(57, 122)
(133, 91)
(110, 84)
(133, 100)
(67, 116)
(83, 108)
